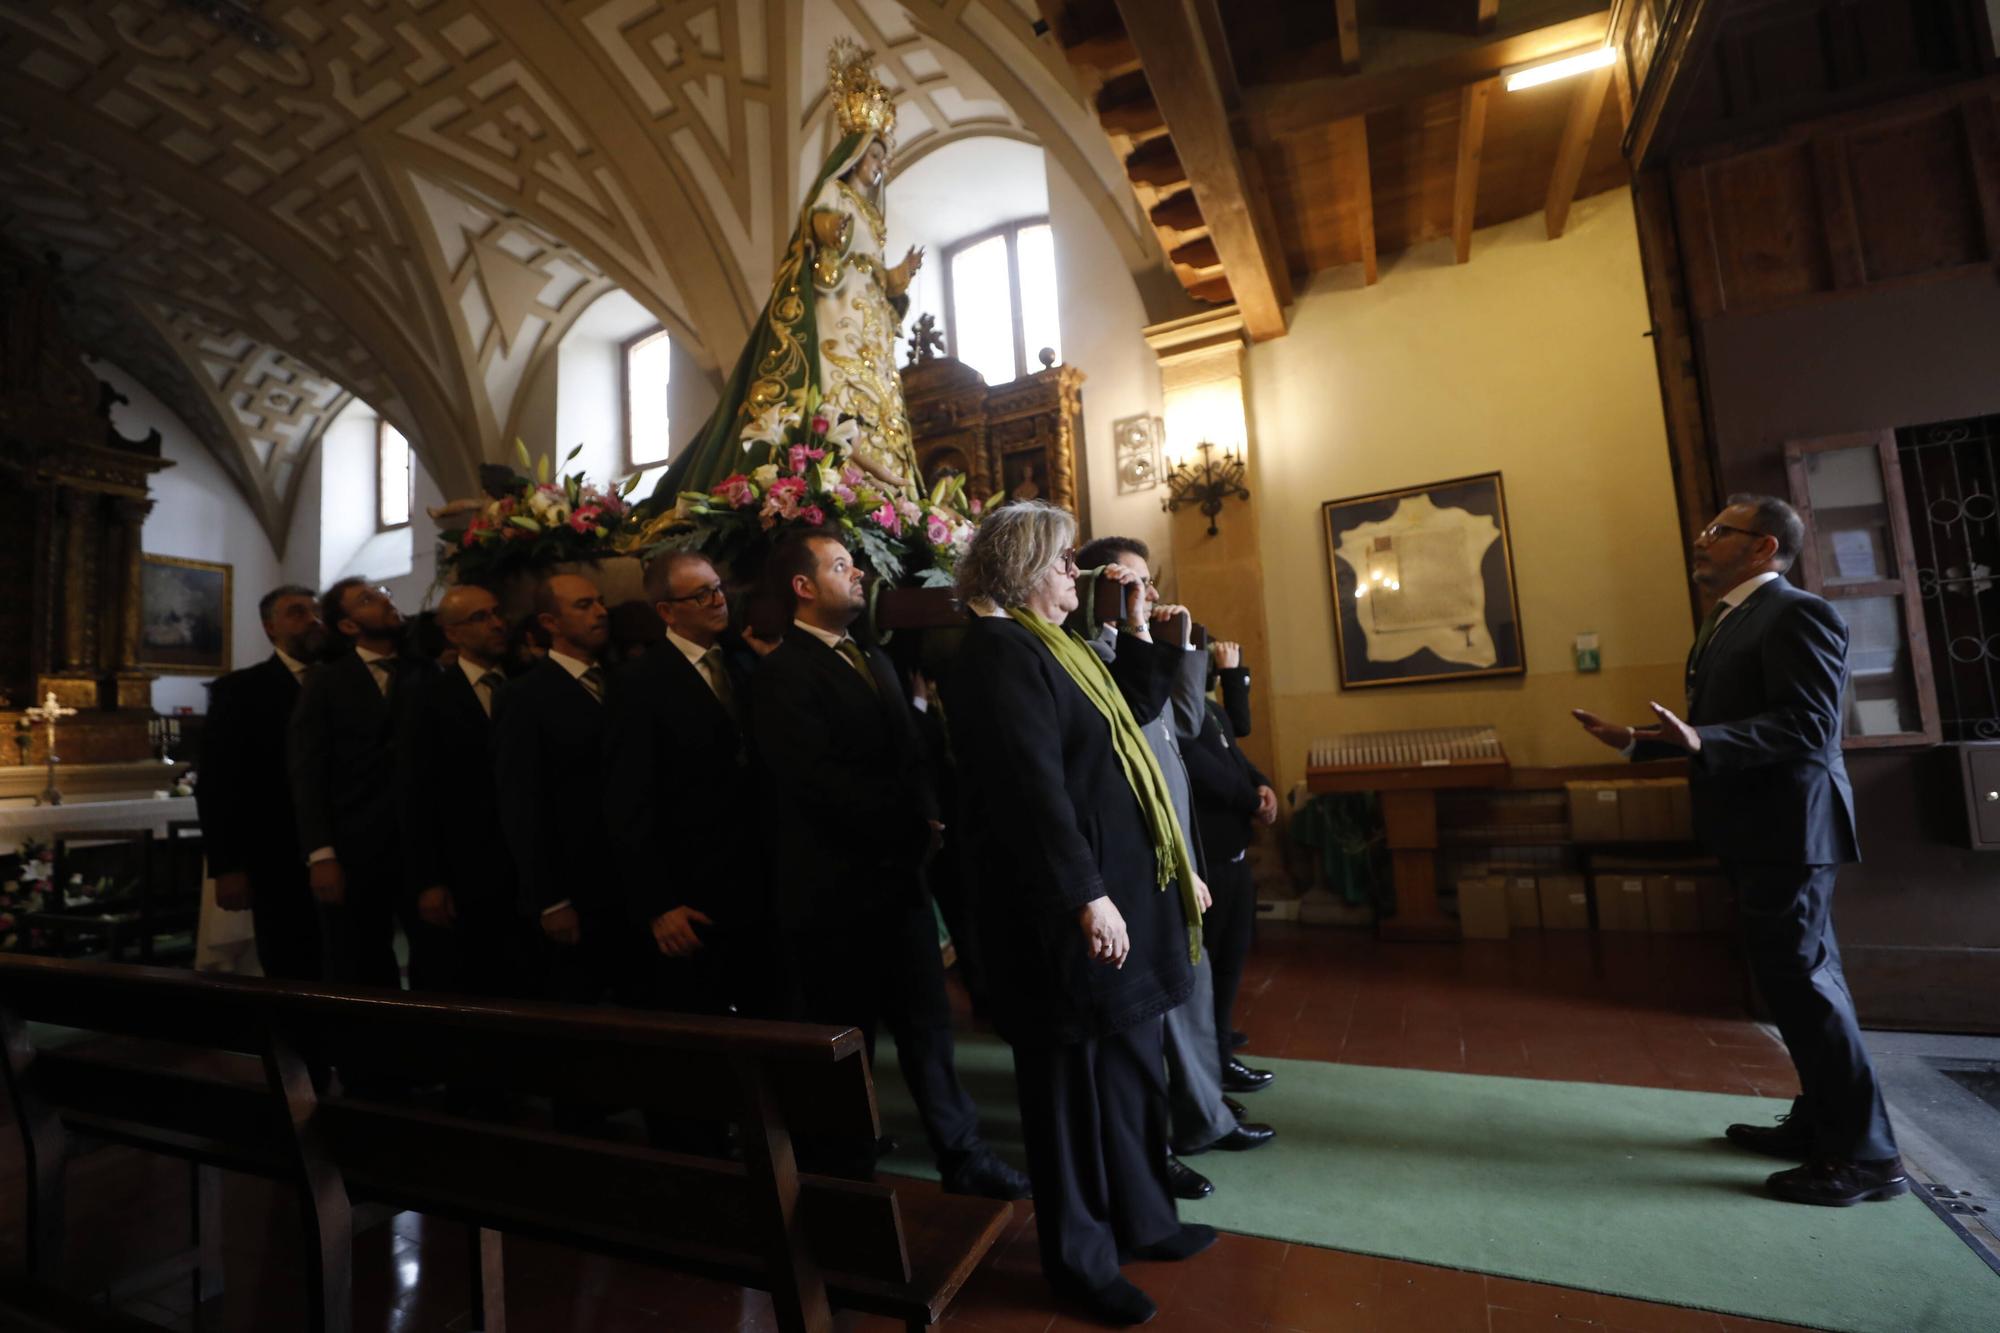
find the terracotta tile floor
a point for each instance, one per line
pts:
(1658, 1011)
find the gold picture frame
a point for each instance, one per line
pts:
(1459, 617)
(185, 621)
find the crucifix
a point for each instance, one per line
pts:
(46, 713)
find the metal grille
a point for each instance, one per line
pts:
(1953, 491)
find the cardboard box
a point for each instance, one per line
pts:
(1673, 904)
(1593, 811)
(1683, 811)
(1564, 902)
(1524, 903)
(1482, 907)
(1621, 902)
(1718, 904)
(1645, 812)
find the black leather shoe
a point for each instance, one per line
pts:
(1235, 1107)
(1789, 1138)
(1239, 1077)
(1238, 1039)
(1240, 1139)
(985, 1176)
(1117, 1302)
(1836, 1184)
(1183, 1182)
(1186, 1243)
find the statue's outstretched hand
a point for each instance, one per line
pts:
(912, 261)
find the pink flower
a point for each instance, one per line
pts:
(813, 515)
(887, 519)
(851, 477)
(783, 498)
(844, 493)
(978, 506)
(584, 519)
(736, 491)
(821, 425)
(937, 530)
(799, 455)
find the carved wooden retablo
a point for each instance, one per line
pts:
(1024, 439)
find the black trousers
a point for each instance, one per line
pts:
(1787, 919)
(1225, 933)
(283, 914)
(883, 969)
(488, 950)
(358, 938)
(1094, 1118)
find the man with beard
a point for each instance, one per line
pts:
(248, 825)
(858, 822)
(342, 760)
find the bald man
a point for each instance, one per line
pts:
(471, 938)
(548, 750)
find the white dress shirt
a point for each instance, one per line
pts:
(707, 661)
(478, 677)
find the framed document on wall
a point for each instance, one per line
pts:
(1423, 584)
(184, 616)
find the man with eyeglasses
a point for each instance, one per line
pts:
(1762, 738)
(470, 936)
(342, 759)
(681, 804)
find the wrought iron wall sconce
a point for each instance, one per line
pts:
(1206, 482)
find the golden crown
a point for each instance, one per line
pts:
(861, 102)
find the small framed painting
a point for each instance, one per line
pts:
(1423, 584)
(184, 608)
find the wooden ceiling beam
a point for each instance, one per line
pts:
(1177, 58)
(1486, 14)
(1348, 30)
(1276, 109)
(1585, 106)
(1471, 146)
(1353, 134)
(1684, 47)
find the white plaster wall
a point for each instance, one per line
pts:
(340, 491)
(960, 190)
(589, 393)
(198, 514)
(1103, 323)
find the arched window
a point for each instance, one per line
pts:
(1000, 299)
(392, 478)
(649, 371)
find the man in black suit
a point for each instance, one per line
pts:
(470, 935)
(1772, 803)
(342, 760)
(248, 823)
(1229, 797)
(857, 821)
(548, 750)
(683, 807)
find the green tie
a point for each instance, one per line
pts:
(1707, 630)
(851, 650)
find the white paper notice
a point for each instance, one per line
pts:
(1854, 555)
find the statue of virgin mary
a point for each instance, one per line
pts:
(827, 337)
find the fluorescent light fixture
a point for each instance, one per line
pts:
(1533, 76)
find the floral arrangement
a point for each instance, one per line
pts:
(813, 481)
(184, 785)
(529, 521)
(26, 891)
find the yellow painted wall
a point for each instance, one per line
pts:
(1531, 360)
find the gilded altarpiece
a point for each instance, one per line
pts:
(73, 504)
(1023, 438)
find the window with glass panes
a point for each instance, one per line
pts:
(392, 478)
(1000, 299)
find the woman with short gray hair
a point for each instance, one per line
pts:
(1078, 866)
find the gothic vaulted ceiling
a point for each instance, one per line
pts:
(266, 207)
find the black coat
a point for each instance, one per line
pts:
(548, 757)
(1769, 784)
(245, 793)
(1052, 823)
(342, 759)
(1223, 783)
(449, 806)
(682, 806)
(849, 783)
(1235, 682)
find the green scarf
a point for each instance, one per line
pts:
(1135, 757)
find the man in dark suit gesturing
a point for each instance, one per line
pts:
(456, 868)
(343, 782)
(857, 823)
(1772, 802)
(245, 796)
(683, 807)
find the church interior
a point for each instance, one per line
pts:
(1522, 302)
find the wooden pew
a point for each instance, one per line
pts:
(234, 1074)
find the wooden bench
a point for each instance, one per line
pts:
(240, 1074)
